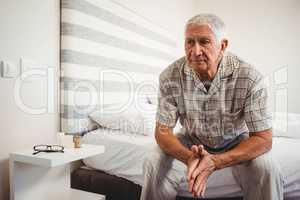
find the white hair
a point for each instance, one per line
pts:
(214, 22)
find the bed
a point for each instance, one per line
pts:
(124, 158)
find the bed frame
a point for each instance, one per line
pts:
(113, 187)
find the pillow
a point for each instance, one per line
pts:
(286, 124)
(137, 119)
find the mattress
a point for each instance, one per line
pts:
(124, 155)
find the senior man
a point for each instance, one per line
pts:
(221, 103)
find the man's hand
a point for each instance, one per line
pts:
(200, 167)
(193, 161)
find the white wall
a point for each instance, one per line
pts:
(266, 34)
(29, 29)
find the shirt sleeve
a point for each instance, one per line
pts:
(167, 109)
(257, 113)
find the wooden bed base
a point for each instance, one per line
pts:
(113, 187)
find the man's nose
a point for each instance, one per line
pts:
(198, 49)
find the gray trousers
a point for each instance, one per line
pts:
(259, 179)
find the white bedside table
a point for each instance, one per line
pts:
(46, 176)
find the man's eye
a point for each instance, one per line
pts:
(204, 42)
(190, 42)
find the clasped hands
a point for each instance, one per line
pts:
(199, 167)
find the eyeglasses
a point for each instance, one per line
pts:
(48, 149)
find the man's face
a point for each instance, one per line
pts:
(201, 48)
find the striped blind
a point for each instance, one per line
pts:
(110, 57)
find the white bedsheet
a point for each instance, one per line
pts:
(124, 154)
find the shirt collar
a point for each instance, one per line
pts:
(227, 65)
(187, 69)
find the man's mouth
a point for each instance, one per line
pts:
(198, 61)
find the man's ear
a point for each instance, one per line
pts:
(224, 44)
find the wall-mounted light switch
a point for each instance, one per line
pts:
(30, 70)
(9, 69)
